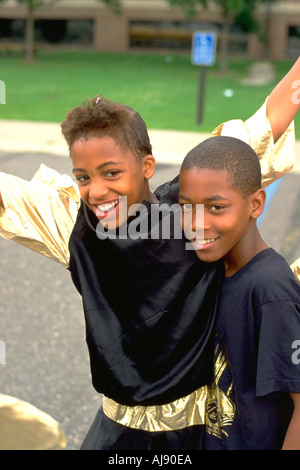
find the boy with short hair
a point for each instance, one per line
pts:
(254, 400)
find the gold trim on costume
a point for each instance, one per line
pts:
(179, 414)
(221, 409)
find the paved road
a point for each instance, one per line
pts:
(41, 320)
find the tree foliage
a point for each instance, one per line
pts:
(242, 11)
(115, 5)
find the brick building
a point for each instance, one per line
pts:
(149, 24)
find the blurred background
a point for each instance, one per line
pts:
(54, 53)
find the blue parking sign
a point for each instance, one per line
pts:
(204, 48)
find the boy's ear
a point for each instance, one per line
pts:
(258, 200)
(148, 166)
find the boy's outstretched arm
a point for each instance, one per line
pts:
(39, 214)
(292, 438)
(284, 101)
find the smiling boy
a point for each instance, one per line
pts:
(111, 156)
(254, 401)
(148, 350)
(228, 232)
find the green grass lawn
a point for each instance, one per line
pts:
(163, 88)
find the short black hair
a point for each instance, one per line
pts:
(222, 153)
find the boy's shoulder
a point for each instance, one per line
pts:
(266, 278)
(271, 278)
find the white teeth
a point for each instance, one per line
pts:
(205, 242)
(107, 206)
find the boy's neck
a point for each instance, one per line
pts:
(241, 255)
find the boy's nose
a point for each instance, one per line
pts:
(195, 222)
(200, 219)
(200, 224)
(97, 191)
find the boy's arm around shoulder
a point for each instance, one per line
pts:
(39, 214)
(292, 438)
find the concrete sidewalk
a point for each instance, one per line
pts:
(169, 147)
(25, 136)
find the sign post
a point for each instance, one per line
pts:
(203, 54)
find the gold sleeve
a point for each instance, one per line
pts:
(40, 214)
(295, 267)
(275, 159)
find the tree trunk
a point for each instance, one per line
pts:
(29, 34)
(224, 43)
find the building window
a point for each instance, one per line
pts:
(293, 42)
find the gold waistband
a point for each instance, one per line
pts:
(179, 414)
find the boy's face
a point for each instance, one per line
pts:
(227, 214)
(105, 173)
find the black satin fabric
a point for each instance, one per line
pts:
(149, 307)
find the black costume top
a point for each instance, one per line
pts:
(149, 306)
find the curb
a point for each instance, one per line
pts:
(169, 147)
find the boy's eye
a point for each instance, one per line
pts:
(217, 208)
(112, 173)
(81, 179)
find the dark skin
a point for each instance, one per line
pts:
(281, 112)
(229, 231)
(105, 173)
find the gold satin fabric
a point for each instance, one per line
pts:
(25, 427)
(179, 414)
(296, 269)
(275, 159)
(40, 214)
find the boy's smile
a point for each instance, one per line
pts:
(110, 179)
(228, 216)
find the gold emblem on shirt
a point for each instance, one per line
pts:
(220, 409)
